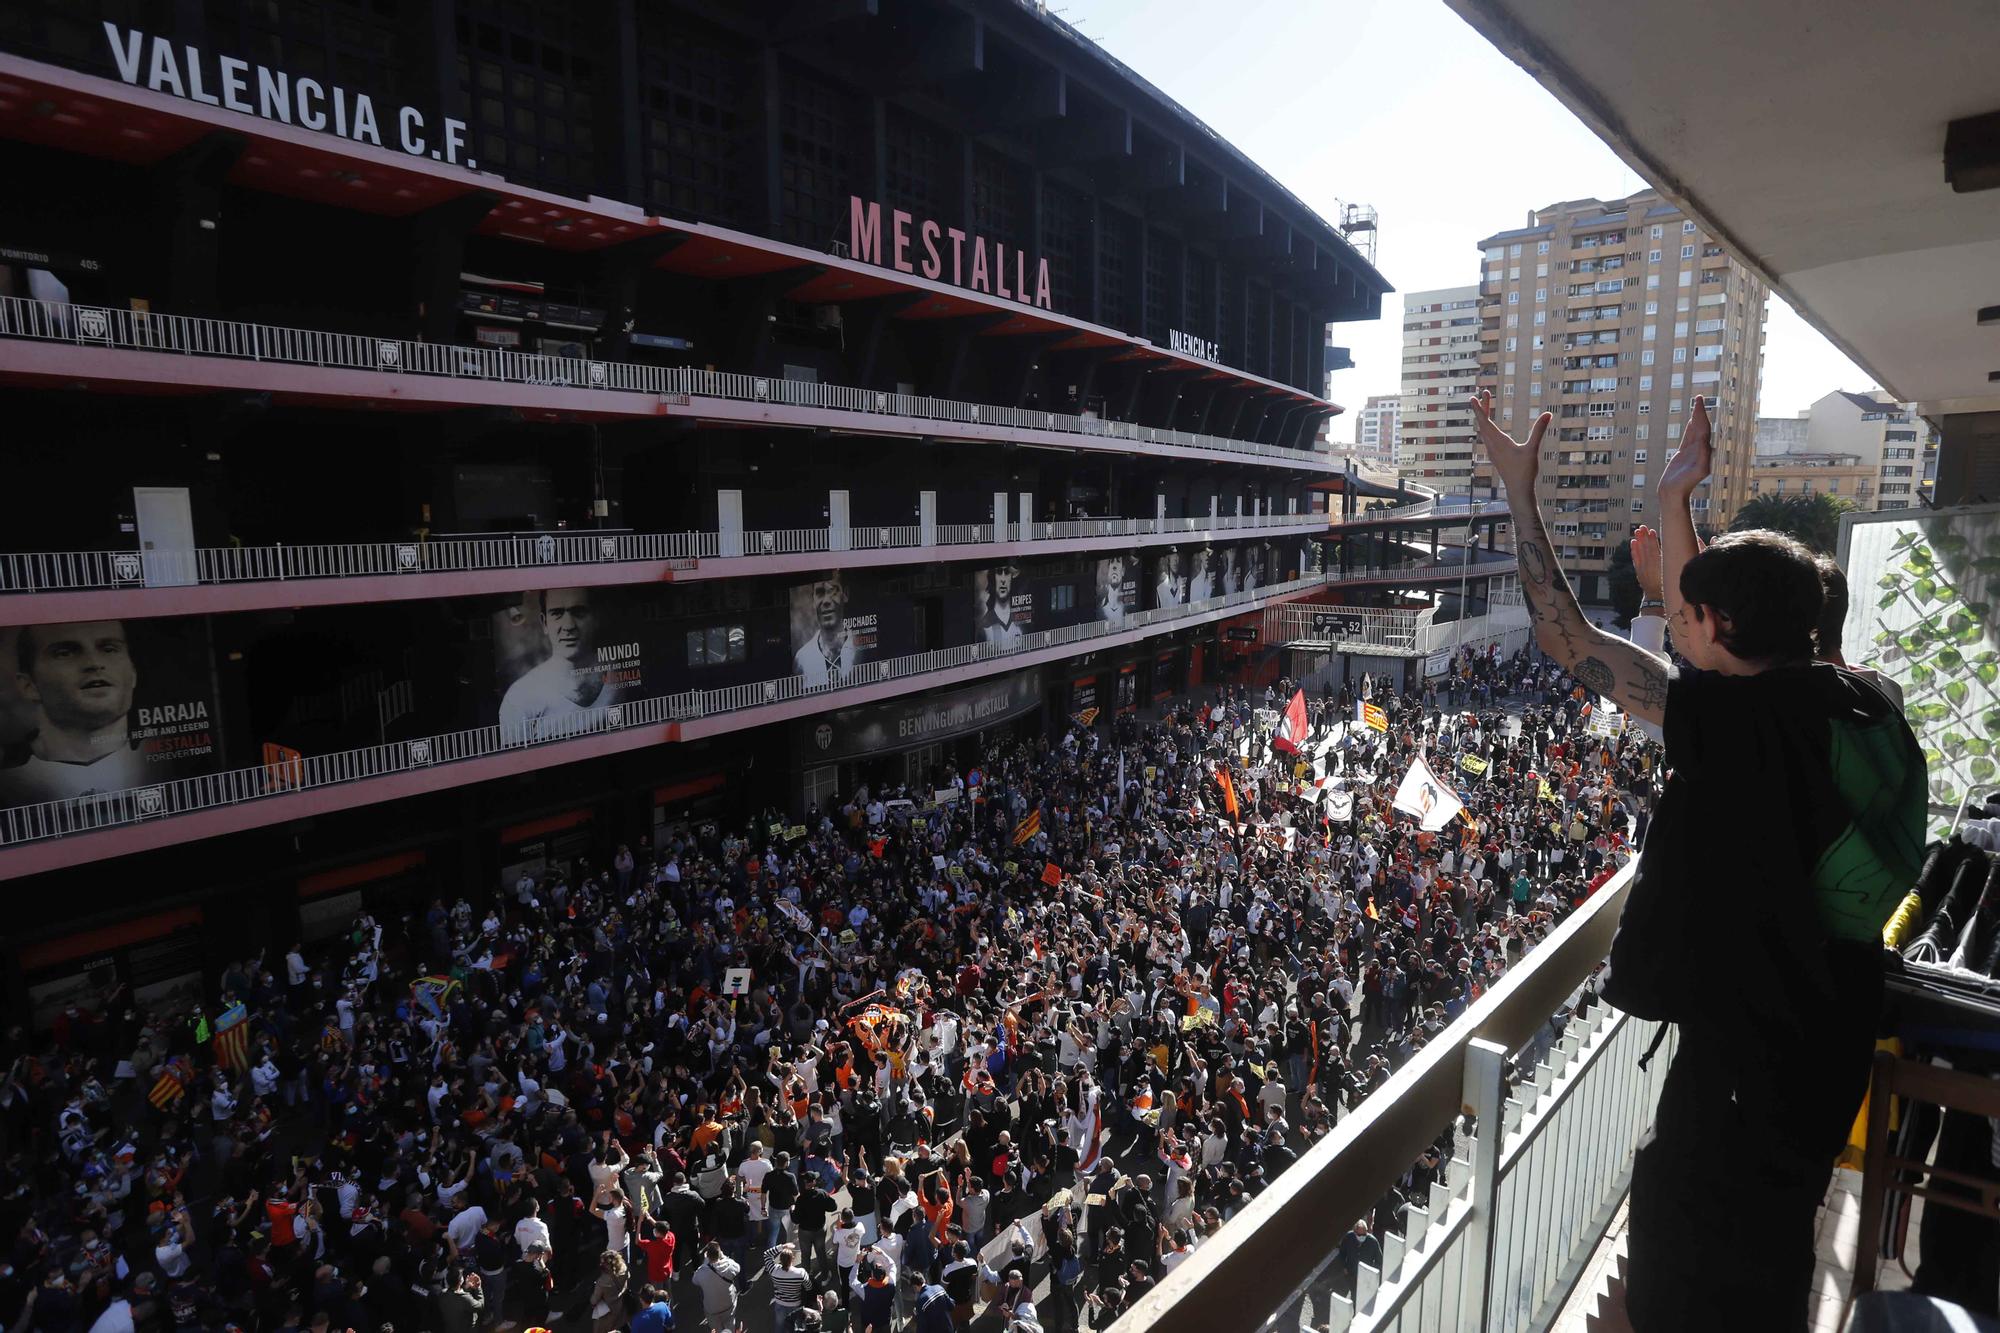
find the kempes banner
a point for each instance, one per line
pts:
(104, 705)
(1003, 606)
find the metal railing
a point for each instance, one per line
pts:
(1497, 1247)
(55, 571)
(53, 819)
(1310, 626)
(139, 330)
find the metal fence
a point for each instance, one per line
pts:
(1559, 1105)
(111, 326)
(53, 819)
(54, 571)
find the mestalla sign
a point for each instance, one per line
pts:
(909, 244)
(187, 71)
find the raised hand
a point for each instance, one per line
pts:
(1517, 463)
(1689, 468)
(1646, 562)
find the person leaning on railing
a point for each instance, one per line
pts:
(1790, 826)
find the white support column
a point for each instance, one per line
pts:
(1485, 1092)
(1160, 510)
(927, 518)
(999, 516)
(729, 522)
(1024, 521)
(839, 536)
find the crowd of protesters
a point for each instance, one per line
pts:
(1009, 1056)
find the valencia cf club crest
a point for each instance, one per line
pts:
(823, 736)
(150, 801)
(406, 558)
(608, 547)
(545, 549)
(420, 752)
(597, 374)
(614, 716)
(389, 355)
(126, 567)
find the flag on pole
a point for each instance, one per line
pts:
(176, 1077)
(1371, 716)
(1028, 827)
(232, 1038)
(1291, 733)
(1228, 792)
(1424, 794)
(1548, 793)
(1052, 875)
(1087, 717)
(433, 993)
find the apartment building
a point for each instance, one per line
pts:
(1440, 371)
(1613, 315)
(1894, 447)
(1376, 429)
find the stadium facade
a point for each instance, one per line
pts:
(449, 438)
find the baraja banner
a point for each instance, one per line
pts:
(104, 706)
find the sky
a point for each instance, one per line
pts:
(1399, 104)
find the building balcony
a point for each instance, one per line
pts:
(54, 834)
(84, 585)
(45, 342)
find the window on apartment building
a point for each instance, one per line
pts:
(1658, 231)
(1687, 252)
(1680, 355)
(1541, 317)
(1680, 328)
(1687, 228)
(1507, 368)
(1513, 298)
(1652, 282)
(1535, 389)
(1496, 252)
(1541, 295)
(1639, 481)
(1538, 347)
(1511, 342)
(1507, 391)
(1638, 455)
(1652, 307)
(1541, 247)
(1514, 273)
(1513, 321)
(1652, 256)
(1541, 270)
(1687, 277)
(1641, 433)
(1650, 332)
(1674, 406)
(1535, 366)
(1514, 251)
(1644, 408)
(1646, 357)
(1681, 305)
(1645, 385)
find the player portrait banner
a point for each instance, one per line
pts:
(1169, 579)
(103, 706)
(1117, 589)
(831, 636)
(560, 657)
(1003, 607)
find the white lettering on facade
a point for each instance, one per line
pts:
(1189, 345)
(223, 81)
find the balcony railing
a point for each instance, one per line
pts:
(53, 571)
(138, 330)
(1495, 1248)
(54, 819)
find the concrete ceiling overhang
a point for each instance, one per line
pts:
(1809, 135)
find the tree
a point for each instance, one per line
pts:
(1813, 519)
(1625, 593)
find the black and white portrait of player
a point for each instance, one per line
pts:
(1114, 593)
(994, 609)
(1232, 571)
(827, 643)
(1201, 575)
(77, 682)
(1170, 589)
(1253, 573)
(575, 677)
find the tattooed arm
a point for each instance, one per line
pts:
(1631, 677)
